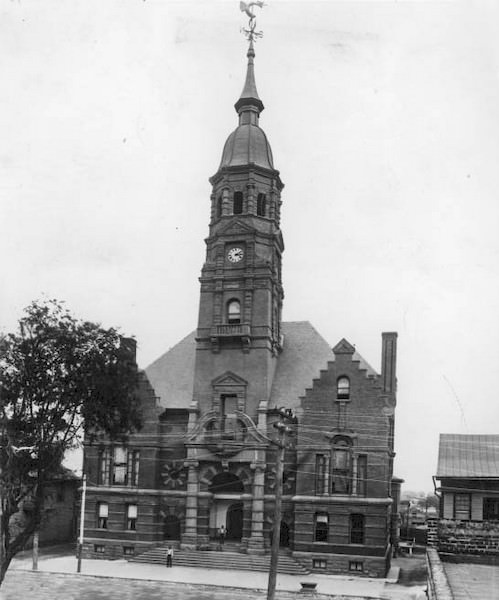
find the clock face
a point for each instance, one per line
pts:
(235, 255)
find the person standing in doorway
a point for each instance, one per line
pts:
(222, 533)
(169, 556)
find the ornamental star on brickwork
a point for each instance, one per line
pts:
(174, 475)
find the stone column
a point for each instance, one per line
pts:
(189, 538)
(256, 543)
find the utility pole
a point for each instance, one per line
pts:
(82, 523)
(283, 431)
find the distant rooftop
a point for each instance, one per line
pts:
(468, 455)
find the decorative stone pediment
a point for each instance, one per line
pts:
(229, 379)
(235, 227)
(344, 347)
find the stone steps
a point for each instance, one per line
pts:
(221, 559)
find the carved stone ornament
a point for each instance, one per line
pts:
(174, 475)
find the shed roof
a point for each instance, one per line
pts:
(468, 455)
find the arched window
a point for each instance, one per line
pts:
(343, 388)
(260, 205)
(233, 312)
(238, 203)
(219, 207)
(357, 529)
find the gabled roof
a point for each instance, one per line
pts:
(468, 455)
(305, 353)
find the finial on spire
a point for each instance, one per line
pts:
(251, 34)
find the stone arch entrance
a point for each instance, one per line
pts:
(226, 508)
(171, 527)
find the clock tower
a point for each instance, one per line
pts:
(239, 328)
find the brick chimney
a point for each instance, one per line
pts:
(389, 361)
(129, 345)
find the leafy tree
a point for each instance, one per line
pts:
(59, 377)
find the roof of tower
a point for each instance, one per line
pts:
(304, 354)
(248, 144)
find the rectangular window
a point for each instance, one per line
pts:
(132, 471)
(102, 515)
(103, 467)
(321, 527)
(462, 507)
(131, 517)
(341, 480)
(491, 509)
(320, 474)
(362, 475)
(119, 465)
(128, 550)
(318, 563)
(356, 565)
(99, 549)
(357, 529)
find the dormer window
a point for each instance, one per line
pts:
(260, 205)
(238, 203)
(233, 312)
(343, 388)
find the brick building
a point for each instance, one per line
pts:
(203, 458)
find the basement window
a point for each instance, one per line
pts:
(356, 565)
(319, 563)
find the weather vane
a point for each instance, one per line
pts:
(247, 7)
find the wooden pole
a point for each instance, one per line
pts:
(82, 523)
(274, 552)
(35, 550)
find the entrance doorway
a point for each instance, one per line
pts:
(235, 521)
(284, 537)
(171, 528)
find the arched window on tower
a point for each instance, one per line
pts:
(219, 207)
(233, 312)
(343, 388)
(261, 205)
(238, 203)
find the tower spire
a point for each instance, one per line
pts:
(249, 99)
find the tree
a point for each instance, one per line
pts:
(59, 378)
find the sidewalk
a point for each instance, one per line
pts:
(334, 585)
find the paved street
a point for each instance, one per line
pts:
(122, 580)
(26, 585)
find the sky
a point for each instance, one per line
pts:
(383, 121)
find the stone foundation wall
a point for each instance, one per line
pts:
(473, 537)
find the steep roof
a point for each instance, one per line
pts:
(304, 354)
(465, 455)
(171, 375)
